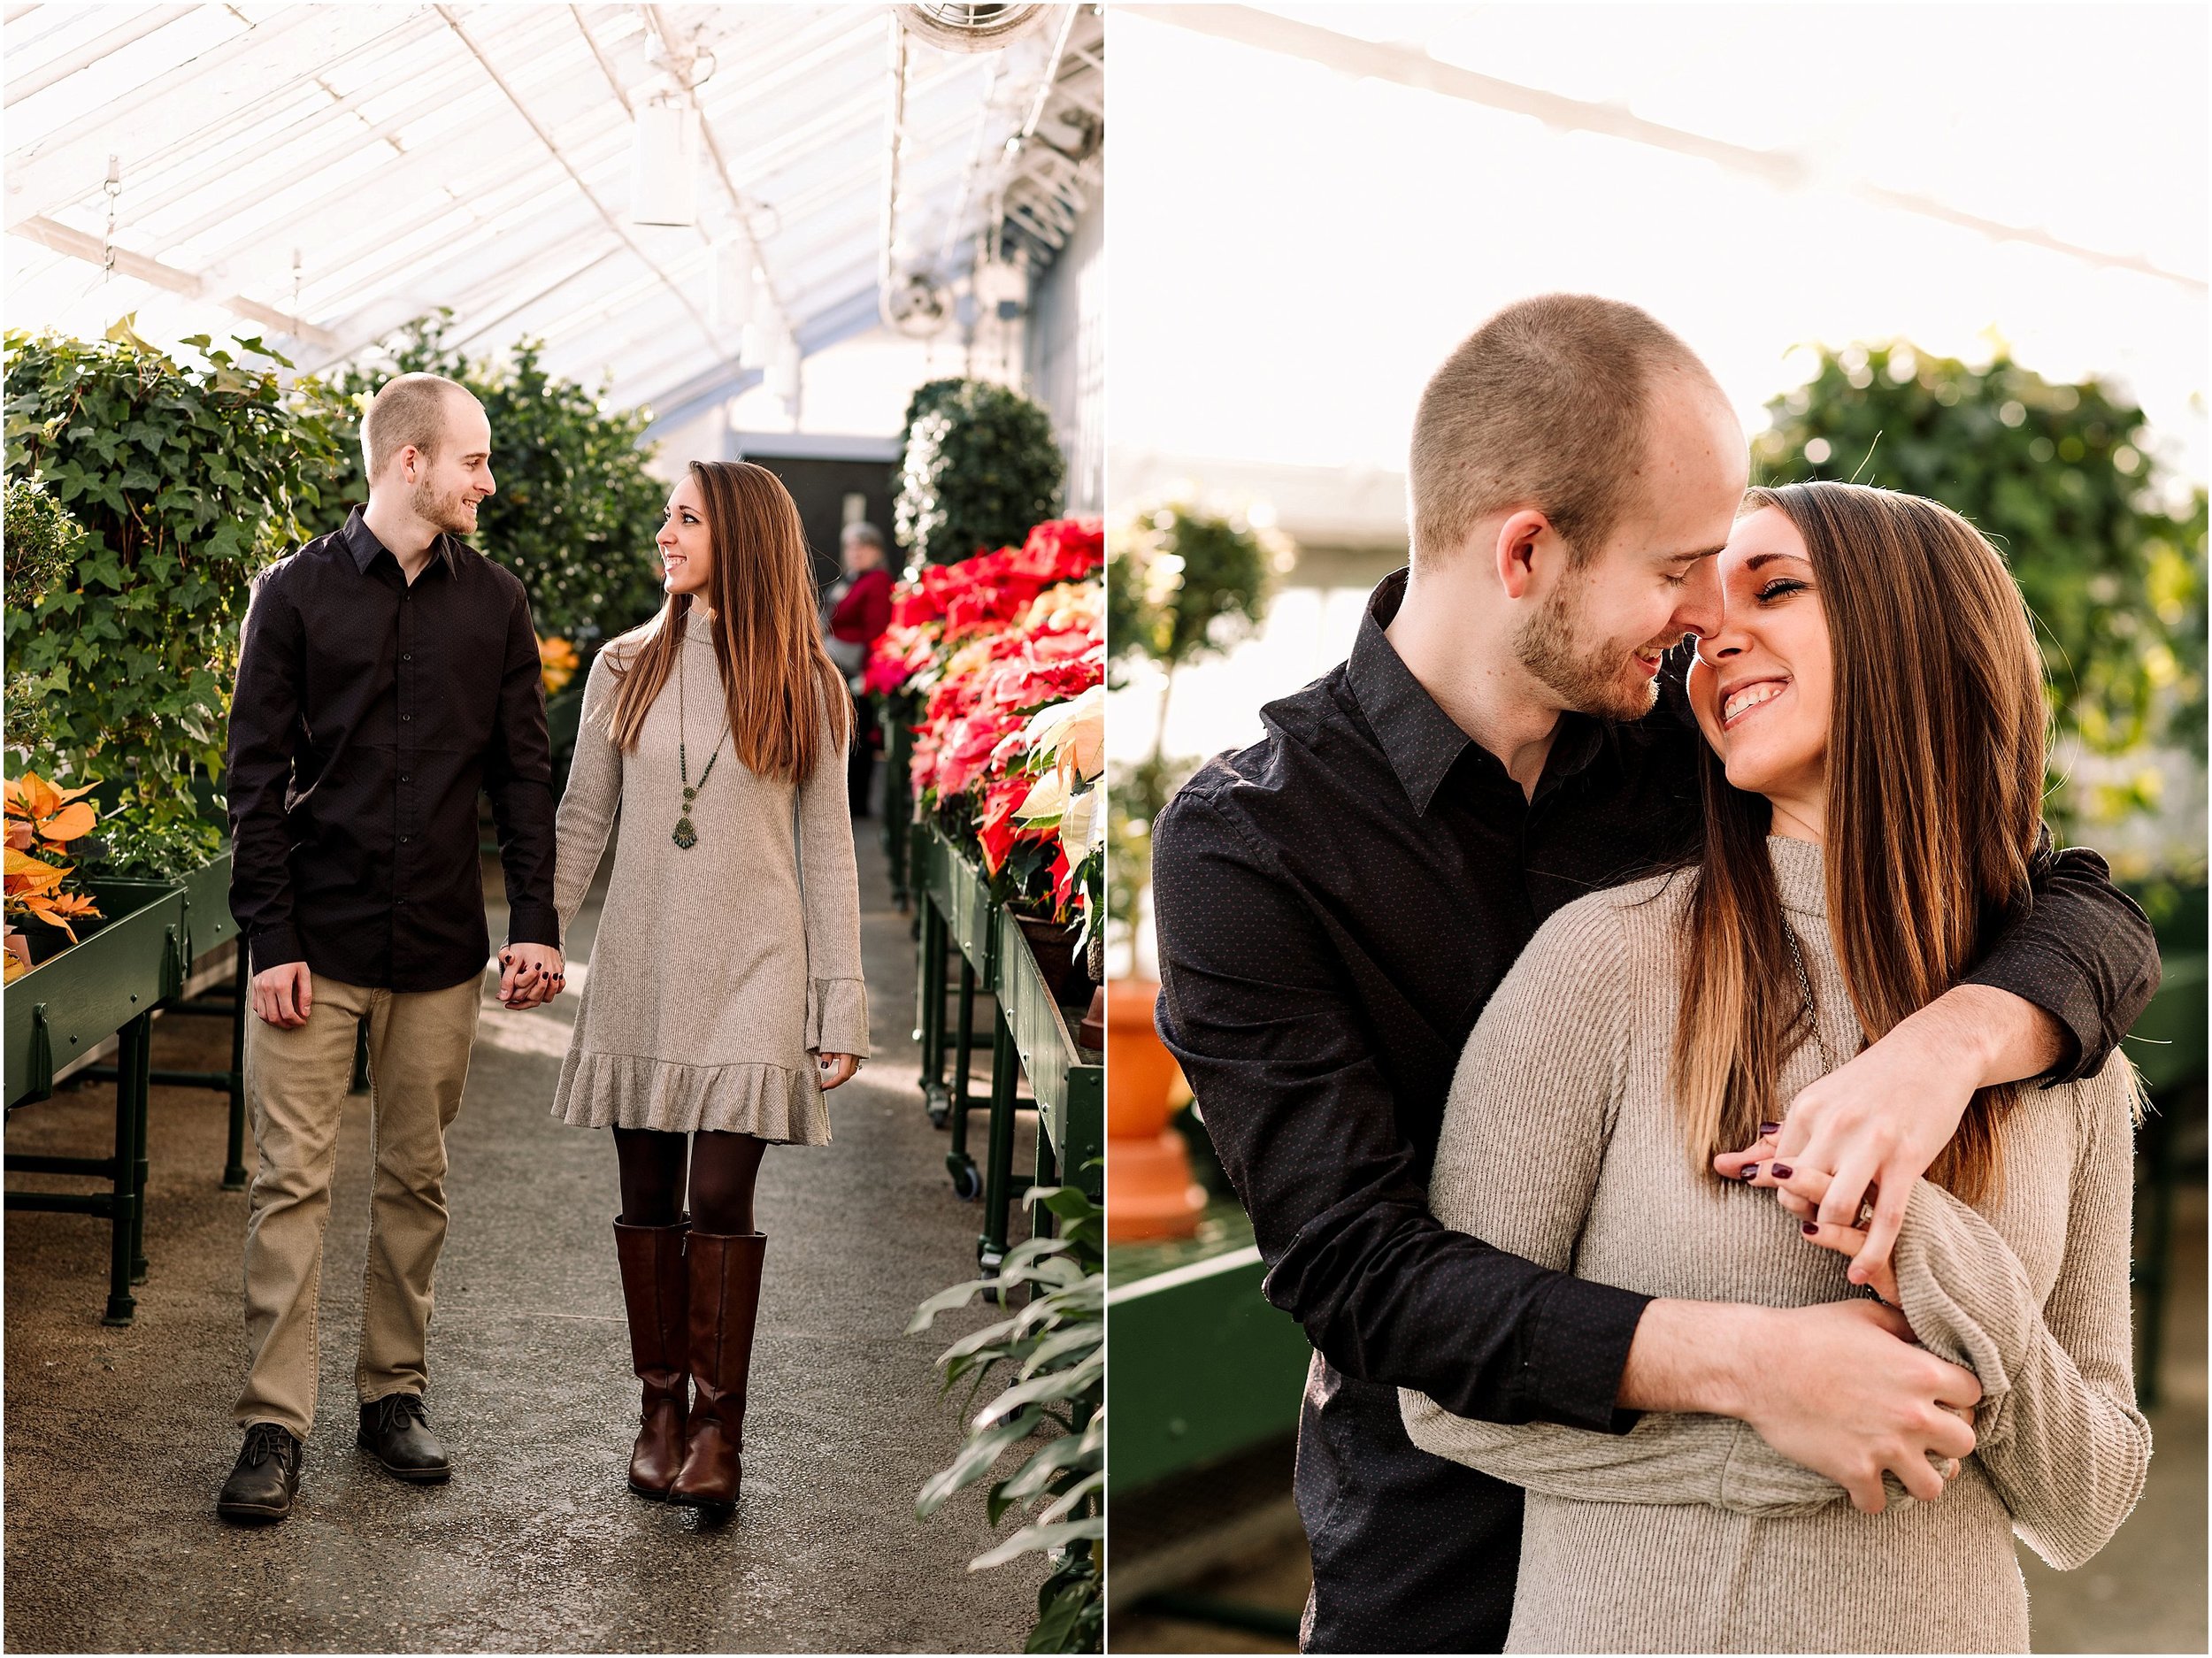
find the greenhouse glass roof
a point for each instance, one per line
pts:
(317, 174)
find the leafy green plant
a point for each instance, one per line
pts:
(2110, 557)
(575, 513)
(43, 541)
(1055, 1351)
(185, 479)
(980, 467)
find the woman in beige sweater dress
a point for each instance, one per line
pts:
(1874, 707)
(724, 993)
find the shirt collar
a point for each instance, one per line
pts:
(360, 541)
(1420, 739)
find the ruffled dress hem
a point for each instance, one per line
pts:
(631, 1091)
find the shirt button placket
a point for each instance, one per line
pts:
(405, 689)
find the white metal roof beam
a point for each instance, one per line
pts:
(67, 164)
(78, 245)
(190, 147)
(554, 149)
(836, 123)
(479, 191)
(59, 69)
(319, 112)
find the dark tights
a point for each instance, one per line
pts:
(723, 1168)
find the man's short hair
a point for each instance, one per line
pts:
(861, 530)
(408, 409)
(1546, 405)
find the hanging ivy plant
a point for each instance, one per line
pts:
(575, 513)
(185, 480)
(980, 467)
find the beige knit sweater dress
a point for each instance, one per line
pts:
(1689, 1533)
(717, 973)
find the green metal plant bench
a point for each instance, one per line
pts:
(208, 926)
(107, 985)
(1068, 1080)
(1203, 1366)
(952, 922)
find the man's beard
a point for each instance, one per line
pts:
(1589, 680)
(450, 512)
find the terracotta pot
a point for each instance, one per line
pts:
(1140, 1071)
(1150, 1193)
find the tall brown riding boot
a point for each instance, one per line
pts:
(653, 1293)
(725, 1302)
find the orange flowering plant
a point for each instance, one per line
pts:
(43, 818)
(556, 664)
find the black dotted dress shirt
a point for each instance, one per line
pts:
(370, 713)
(1335, 905)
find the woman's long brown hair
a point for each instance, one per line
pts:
(777, 677)
(1935, 786)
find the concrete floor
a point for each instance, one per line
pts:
(117, 1439)
(2145, 1592)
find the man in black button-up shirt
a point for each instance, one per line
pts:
(1337, 904)
(387, 674)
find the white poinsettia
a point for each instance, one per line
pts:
(1047, 800)
(1073, 733)
(1083, 826)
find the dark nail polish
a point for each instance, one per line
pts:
(1811, 1228)
(1782, 1171)
(1766, 1129)
(1750, 1171)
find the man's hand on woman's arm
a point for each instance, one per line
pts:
(1840, 1388)
(1877, 1123)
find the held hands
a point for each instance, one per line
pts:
(530, 976)
(835, 1069)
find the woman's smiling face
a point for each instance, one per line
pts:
(1763, 683)
(686, 546)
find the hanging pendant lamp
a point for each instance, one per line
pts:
(665, 165)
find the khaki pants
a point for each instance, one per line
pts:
(296, 1083)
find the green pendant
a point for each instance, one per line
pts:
(686, 836)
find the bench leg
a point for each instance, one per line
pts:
(966, 1183)
(998, 1174)
(131, 1061)
(932, 1023)
(1042, 1222)
(141, 1101)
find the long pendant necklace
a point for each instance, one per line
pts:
(685, 836)
(1805, 990)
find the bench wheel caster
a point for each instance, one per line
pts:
(967, 1182)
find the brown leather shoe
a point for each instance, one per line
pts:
(725, 1302)
(653, 1295)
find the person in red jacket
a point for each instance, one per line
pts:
(856, 609)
